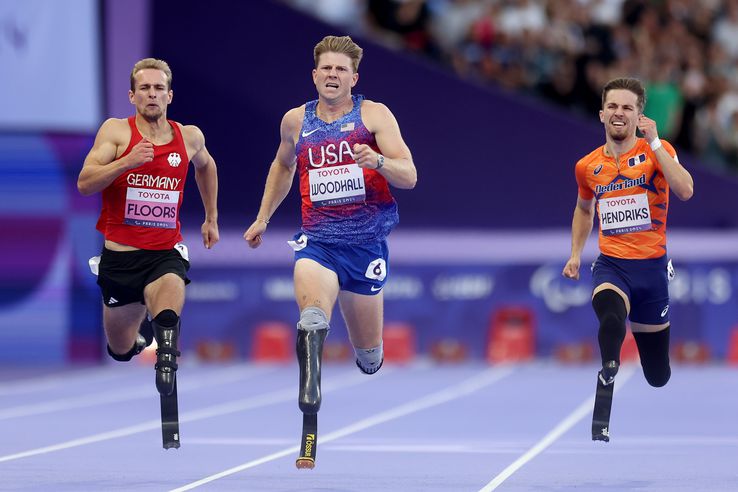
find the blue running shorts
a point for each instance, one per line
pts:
(361, 268)
(645, 282)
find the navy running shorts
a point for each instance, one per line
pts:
(361, 268)
(645, 282)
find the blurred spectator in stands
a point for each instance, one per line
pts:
(716, 128)
(665, 101)
(725, 30)
(520, 16)
(686, 50)
(560, 87)
(344, 13)
(408, 19)
(694, 89)
(451, 21)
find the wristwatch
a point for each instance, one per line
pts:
(380, 162)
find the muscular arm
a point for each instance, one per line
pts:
(398, 168)
(101, 167)
(280, 177)
(679, 179)
(206, 176)
(581, 227)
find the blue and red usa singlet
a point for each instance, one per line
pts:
(341, 202)
(141, 207)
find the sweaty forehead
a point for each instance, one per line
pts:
(621, 97)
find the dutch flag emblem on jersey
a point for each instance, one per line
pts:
(634, 161)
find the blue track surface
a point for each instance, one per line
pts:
(409, 428)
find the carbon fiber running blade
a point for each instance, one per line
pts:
(170, 419)
(309, 441)
(601, 413)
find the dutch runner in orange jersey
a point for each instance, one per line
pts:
(139, 165)
(629, 179)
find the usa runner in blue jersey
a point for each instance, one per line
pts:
(347, 151)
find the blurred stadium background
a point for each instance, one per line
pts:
(497, 99)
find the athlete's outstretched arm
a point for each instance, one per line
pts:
(398, 167)
(206, 176)
(101, 168)
(679, 179)
(581, 227)
(280, 177)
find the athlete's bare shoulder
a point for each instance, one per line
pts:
(115, 131)
(369, 107)
(294, 117)
(292, 122)
(115, 126)
(192, 135)
(116, 123)
(376, 116)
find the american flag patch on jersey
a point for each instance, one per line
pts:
(347, 127)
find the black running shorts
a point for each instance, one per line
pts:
(123, 275)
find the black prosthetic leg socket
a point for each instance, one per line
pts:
(166, 329)
(608, 372)
(309, 356)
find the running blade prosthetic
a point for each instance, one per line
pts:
(603, 402)
(170, 419)
(309, 442)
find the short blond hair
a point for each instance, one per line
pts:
(339, 44)
(151, 63)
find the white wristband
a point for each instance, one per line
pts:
(655, 144)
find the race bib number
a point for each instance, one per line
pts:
(151, 208)
(336, 185)
(376, 270)
(624, 214)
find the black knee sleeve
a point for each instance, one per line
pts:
(166, 318)
(654, 351)
(135, 350)
(611, 312)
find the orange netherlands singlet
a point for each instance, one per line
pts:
(632, 200)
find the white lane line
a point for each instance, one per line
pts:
(422, 447)
(57, 381)
(561, 428)
(350, 379)
(466, 387)
(121, 394)
(626, 445)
